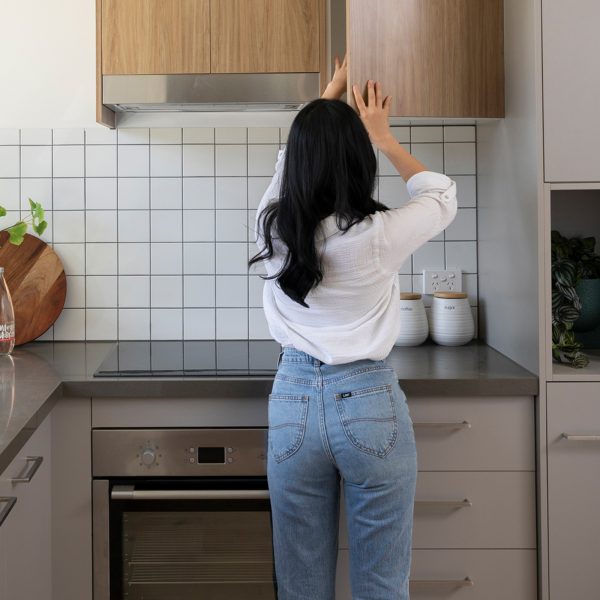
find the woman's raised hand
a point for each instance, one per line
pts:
(337, 86)
(375, 114)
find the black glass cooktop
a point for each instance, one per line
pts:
(197, 358)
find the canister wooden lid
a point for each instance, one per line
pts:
(409, 296)
(450, 295)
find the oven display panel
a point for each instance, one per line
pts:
(207, 454)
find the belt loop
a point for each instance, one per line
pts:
(280, 357)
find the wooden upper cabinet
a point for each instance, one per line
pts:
(155, 36)
(436, 58)
(265, 36)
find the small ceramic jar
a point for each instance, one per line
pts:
(414, 327)
(451, 322)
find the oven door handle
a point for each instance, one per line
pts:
(128, 492)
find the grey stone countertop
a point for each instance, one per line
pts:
(39, 373)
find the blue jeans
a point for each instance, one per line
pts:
(348, 422)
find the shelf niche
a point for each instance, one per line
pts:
(576, 212)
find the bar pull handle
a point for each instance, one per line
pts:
(443, 425)
(572, 437)
(35, 462)
(443, 503)
(9, 503)
(128, 492)
(438, 584)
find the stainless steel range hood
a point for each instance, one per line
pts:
(211, 92)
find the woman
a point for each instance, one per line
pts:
(331, 298)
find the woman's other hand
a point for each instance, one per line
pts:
(337, 86)
(375, 114)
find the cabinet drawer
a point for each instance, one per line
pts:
(498, 434)
(573, 489)
(501, 514)
(494, 575)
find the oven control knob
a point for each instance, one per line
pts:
(148, 457)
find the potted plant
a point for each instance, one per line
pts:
(575, 276)
(17, 231)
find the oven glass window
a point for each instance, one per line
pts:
(193, 555)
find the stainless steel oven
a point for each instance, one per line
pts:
(181, 514)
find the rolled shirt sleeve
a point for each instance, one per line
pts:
(431, 208)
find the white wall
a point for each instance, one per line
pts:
(47, 63)
(508, 164)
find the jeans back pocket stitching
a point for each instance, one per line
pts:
(297, 443)
(353, 440)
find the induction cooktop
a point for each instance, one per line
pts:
(194, 358)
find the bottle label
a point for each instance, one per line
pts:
(7, 331)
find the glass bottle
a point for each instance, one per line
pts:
(7, 318)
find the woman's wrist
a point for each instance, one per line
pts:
(333, 91)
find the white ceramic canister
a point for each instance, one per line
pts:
(414, 327)
(451, 322)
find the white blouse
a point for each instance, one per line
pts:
(354, 312)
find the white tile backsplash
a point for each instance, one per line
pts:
(10, 193)
(133, 193)
(101, 193)
(232, 192)
(134, 161)
(36, 161)
(198, 192)
(67, 194)
(68, 161)
(36, 137)
(10, 137)
(198, 160)
(261, 158)
(39, 190)
(134, 225)
(10, 163)
(231, 160)
(101, 226)
(166, 193)
(166, 259)
(460, 158)
(101, 161)
(198, 135)
(134, 258)
(134, 324)
(199, 323)
(166, 161)
(153, 225)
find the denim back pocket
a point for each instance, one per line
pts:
(287, 424)
(368, 417)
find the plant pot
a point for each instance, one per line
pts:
(588, 291)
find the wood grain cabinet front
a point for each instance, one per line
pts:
(166, 37)
(436, 58)
(264, 36)
(573, 489)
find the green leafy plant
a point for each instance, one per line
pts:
(573, 259)
(16, 232)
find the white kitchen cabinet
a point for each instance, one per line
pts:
(571, 88)
(25, 535)
(474, 530)
(573, 489)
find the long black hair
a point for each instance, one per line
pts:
(330, 168)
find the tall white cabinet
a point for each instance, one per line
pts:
(571, 69)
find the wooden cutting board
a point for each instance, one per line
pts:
(37, 283)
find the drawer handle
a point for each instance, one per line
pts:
(434, 425)
(9, 503)
(444, 503)
(36, 462)
(436, 584)
(572, 437)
